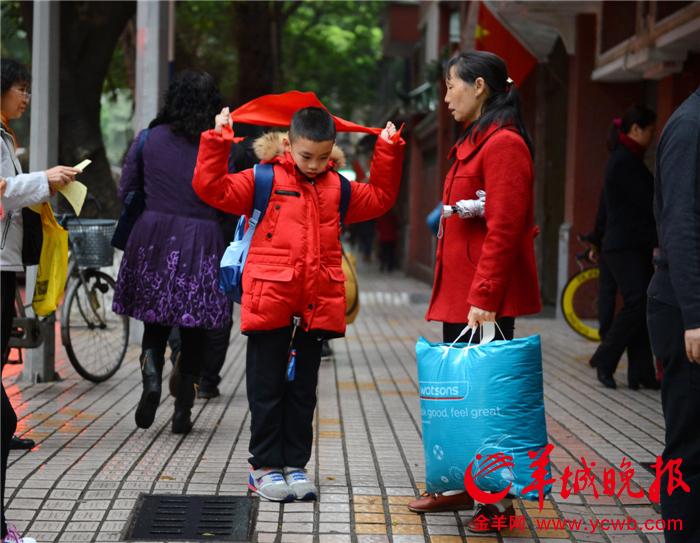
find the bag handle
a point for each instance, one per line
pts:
(487, 331)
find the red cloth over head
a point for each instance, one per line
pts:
(278, 109)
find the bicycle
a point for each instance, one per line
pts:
(95, 338)
(579, 299)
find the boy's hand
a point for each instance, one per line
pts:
(389, 131)
(222, 119)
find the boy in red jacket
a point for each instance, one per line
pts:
(293, 270)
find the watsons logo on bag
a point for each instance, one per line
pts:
(450, 390)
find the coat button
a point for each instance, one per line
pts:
(311, 306)
(277, 207)
(269, 236)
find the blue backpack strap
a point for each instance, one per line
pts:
(264, 175)
(139, 152)
(345, 194)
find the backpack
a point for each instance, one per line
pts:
(133, 204)
(233, 261)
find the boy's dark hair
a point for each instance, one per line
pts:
(312, 123)
(13, 72)
(191, 103)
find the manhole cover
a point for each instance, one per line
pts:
(193, 518)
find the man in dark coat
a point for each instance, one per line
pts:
(673, 311)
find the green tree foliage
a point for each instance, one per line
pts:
(333, 49)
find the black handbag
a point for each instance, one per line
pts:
(133, 205)
(33, 237)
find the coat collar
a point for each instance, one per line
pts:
(468, 147)
(287, 162)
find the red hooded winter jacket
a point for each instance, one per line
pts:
(294, 266)
(488, 262)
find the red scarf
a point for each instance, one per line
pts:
(632, 145)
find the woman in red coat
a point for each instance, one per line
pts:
(485, 269)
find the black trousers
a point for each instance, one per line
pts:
(450, 331)
(9, 417)
(213, 354)
(607, 293)
(680, 398)
(155, 336)
(632, 271)
(281, 411)
(387, 255)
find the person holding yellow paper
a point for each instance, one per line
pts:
(20, 229)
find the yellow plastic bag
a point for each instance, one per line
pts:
(352, 290)
(53, 264)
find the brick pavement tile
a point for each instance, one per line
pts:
(370, 529)
(439, 529)
(371, 500)
(45, 537)
(334, 527)
(407, 529)
(266, 527)
(334, 538)
(411, 539)
(297, 538)
(372, 538)
(297, 517)
(445, 539)
(267, 537)
(334, 507)
(334, 517)
(26, 514)
(370, 518)
(297, 527)
(368, 508)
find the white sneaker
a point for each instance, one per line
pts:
(13, 536)
(269, 483)
(300, 484)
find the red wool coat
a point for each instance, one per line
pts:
(294, 266)
(488, 262)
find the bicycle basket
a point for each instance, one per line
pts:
(90, 241)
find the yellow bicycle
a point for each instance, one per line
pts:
(579, 299)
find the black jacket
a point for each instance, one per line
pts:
(629, 202)
(677, 209)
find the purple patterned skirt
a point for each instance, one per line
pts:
(170, 273)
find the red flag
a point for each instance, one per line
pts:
(493, 37)
(278, 109)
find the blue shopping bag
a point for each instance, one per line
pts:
(482, 399)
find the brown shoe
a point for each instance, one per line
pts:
(489, 519)
(436, 503)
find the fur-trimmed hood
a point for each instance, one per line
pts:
(270, 145)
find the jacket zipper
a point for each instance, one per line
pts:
(7, 229)
(288, 193)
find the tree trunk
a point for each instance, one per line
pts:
(253, 37)
(89, 34)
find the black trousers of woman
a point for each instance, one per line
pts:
(9, 417)
(155, 336)
(632, 270)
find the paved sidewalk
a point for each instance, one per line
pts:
(83, 479)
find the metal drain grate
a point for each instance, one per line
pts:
(193, 518)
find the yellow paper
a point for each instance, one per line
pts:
(75, 193)
(84, 164)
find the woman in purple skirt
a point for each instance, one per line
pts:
(169, 275)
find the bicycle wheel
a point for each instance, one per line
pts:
(579, 303)
(94, 336)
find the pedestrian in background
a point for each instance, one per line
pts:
(628, 247)
(387, 227)
(673, 311)
(485, 268)
(169, 275)
(16, 248)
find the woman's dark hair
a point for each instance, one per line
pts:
(639, 115)
(13, 72)
(192, 102)
(502, 107)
